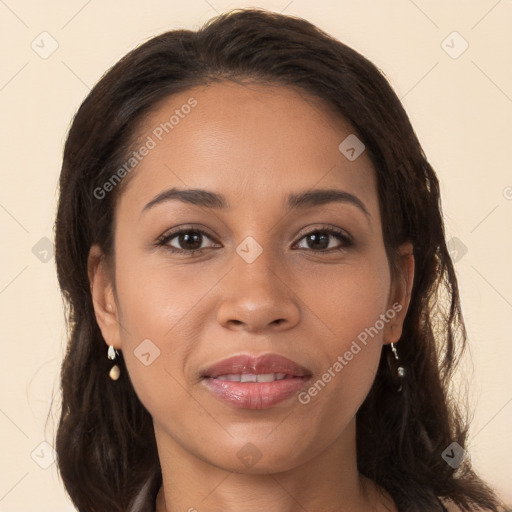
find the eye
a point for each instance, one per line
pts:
(319, 240)
(189, 240)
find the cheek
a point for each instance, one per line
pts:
(348, 299)
(349, 309)
(156, 296)
(154, 327)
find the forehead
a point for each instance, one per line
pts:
(248, 141)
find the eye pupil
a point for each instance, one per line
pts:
(184, 240)
(315, 237)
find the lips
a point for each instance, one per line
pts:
(250, 382)
(260, 366)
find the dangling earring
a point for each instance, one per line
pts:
(397, 370)
(114, 371)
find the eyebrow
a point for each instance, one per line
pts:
(207, 199)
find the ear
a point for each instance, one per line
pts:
(103, 297)
(400, 294)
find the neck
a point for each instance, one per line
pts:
(329, 482)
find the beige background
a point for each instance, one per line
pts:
(460, 107)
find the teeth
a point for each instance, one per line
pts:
(251, 377)
(267, 377)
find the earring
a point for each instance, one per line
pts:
(114, 371)
(397, 370)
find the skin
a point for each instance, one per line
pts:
(255, 144)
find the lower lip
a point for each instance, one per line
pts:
(254, 395)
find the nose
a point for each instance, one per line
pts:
(258, 296)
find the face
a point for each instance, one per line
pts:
(198, 282)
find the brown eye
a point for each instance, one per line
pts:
(189, 240)
(184, 241)
(320, 240)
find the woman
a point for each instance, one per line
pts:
(250, 241)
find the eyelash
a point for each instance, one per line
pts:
(339, 234)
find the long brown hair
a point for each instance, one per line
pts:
(105, 440)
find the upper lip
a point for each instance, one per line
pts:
(246, 363)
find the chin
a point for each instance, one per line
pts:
(259, 456)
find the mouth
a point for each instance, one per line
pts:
(252, 377)
(251, 382)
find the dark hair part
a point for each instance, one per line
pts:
(105, 440)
